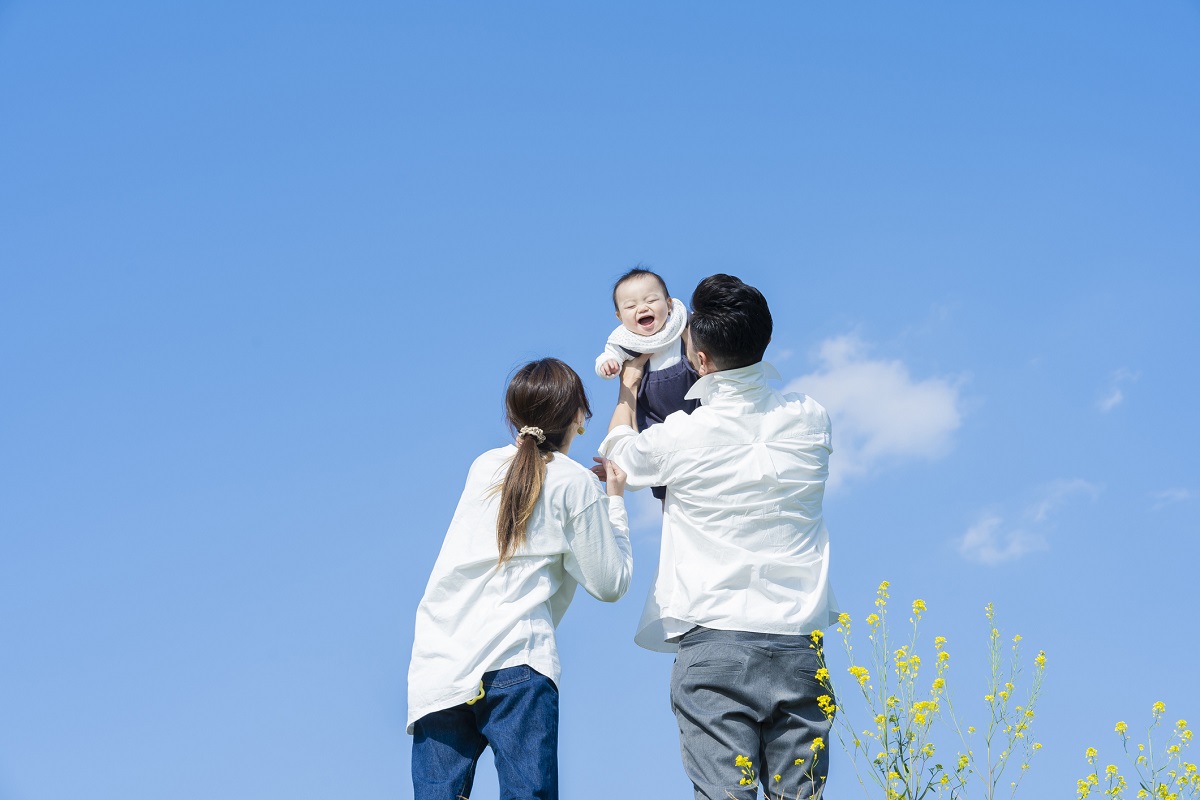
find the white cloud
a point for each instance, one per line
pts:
(1111, 400)
(1169, 497)
(879, 411)
(985, 542)
(779, 356)
(989, 541)
(1113, 396)
(1057, 493)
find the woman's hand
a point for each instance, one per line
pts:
(612, 475)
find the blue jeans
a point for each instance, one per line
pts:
(517, 716)
(753, 694)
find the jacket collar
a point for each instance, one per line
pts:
(732, 382)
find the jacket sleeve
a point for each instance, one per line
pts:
(642, 455)
(599, 555)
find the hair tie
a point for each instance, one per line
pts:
(529, 430)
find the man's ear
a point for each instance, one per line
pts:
(704, 364)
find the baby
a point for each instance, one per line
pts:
(651, 322)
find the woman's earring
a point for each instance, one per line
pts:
(580, 430)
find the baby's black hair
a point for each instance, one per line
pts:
(638, 272)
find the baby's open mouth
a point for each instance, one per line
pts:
(646, 321)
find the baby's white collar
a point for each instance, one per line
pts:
(669, 335)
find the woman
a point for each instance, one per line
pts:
(531, 524)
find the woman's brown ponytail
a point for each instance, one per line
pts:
(547, 395)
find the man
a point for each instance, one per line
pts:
(743, 574)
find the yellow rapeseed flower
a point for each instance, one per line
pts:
(1041, 658)
(918, 607)
(742, 761)
(872, 620)
(843, 618)
(1090, 753)
(817, 744)
(1159, 709)
(861, 674)
(1121, 727)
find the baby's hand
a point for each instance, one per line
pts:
(610, 367)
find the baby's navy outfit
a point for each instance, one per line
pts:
(661, 394)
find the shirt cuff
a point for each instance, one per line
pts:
(617, 515)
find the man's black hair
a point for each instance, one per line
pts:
(730, 322)
(638, 272)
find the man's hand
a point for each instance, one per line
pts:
(610, 367)
(612, 475)
(633, 370)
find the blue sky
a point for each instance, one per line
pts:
(266, 268)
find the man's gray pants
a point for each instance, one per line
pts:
(751, 694)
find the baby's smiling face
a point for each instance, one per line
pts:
(642, 305)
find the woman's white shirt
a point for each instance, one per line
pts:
(476, 617)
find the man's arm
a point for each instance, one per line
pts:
(631, 377)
